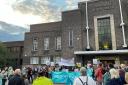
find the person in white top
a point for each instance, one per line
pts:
(83, 79)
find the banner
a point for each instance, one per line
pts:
(67, 62)
(64, 77)
(71, 77)
(59, 77)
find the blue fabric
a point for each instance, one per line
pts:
(90, 72)
(71, 77)
(0, 81)
(64, 77)
(106, 78)
(115, 81)
(59, 77)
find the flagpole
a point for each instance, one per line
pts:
(122, 25)
(87, 27)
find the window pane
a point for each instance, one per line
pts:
(46, 43)
(45, 60)
(57, 60)
(104, 33)
(34, 60)
(58, 43)
(71, 38)
(35, 44)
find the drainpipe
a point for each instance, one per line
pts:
(87, 27)
(122, 25)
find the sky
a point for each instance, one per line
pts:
(25, 12)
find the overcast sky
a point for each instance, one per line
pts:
(26, 12)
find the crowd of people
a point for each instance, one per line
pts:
(89, 75)
(103, 75)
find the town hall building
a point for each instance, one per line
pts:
(96, 30)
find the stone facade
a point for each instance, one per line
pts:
(74, 21)
(15, 49)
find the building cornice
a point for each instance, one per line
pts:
(101, 52)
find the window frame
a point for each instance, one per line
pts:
(45, 59)
(57, 42)
(112, 26)
(32, 60)
(103, 32)
(71, 36)
(35, 44)
(47, 47)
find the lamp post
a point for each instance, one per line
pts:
(122, 25)
(87, 26)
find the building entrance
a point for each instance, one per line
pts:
(106, 62)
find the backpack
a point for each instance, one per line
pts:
(84, 83)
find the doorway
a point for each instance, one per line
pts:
(107, 62)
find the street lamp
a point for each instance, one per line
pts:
(122, 25)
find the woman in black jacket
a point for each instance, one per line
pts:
(115, 79)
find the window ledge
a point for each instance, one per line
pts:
(71, 47)
(58, 49)
(46, 49)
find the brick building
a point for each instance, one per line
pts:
(15, 48)
(96, 30)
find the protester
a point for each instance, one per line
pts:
(24, 71)
(90, 71)
(1, 77)
(115, 79)
(29, 75)
(4, 76)
(16, 79)
(126, 77)
(106, 77)
(26, 82)
(57, 67)
(122, 73)
(76, 69)
(42, 80)
(99, 74)
(10, 72)
(83, 79)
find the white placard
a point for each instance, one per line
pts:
(67, 62)
(95, 61)
(52, 64)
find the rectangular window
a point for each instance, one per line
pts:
(46, 43)
(104, 33)
(57, 60)
(45, 60)
(35, 44)
(58, 43)
(71, 38)
(34, 60)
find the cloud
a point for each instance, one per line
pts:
(1, 28)
(15, 33)
(12, 29)
(9, 32)
(73, 4)
(26, 12)
(46, 10)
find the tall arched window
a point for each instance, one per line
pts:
(104, 33)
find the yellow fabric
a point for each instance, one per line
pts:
(42, 81)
